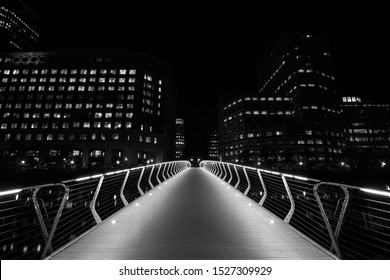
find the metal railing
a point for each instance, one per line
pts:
(351, 222)
(36, 221)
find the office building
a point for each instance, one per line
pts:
(213, 146)
(84, 108)
(19, 26)
(367, 126)
(179, 140)
(295, 119)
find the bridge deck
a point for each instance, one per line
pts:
(193, 216)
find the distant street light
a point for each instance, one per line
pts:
(342, 163)
(300, 163)
(383, 164)
(23, 162)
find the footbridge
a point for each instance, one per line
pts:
(171, 210)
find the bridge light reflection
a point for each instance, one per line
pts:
(376, 192)
(10, 192)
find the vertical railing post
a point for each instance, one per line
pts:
(163, 172)
(93, 202)
(170, 173)
(332, 236)
(224, 169)
(238, 177)
(168, 169)
(139, 181)
(55, 223)
(175, 168)
(220, 170)
(123, 188)
(48, 237)
(231, 175)
(292, 208)
(249, 183)
(264, 187)
(158, 173)
(150, 177)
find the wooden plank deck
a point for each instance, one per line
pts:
(193, 216)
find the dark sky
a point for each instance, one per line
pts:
(214, 51)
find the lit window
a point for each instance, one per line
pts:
(97, 153)
(107, 125)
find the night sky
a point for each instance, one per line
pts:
(215, 51)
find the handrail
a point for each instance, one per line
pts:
(360, 231)
(85, 202)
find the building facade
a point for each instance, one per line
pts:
(19, 26)
(367, 126)
(180, 143)
(213, 146)
(84, 108)
(295, 119)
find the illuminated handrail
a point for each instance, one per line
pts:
(83, 203)
(359, 229)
